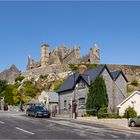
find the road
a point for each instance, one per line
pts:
(15, 125)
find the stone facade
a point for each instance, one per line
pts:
(64, 55)
(116, 90)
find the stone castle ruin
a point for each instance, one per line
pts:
(64, 55)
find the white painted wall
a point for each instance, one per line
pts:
(136, 99)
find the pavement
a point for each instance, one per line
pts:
(117, 124)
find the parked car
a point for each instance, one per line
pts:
(132, 122)
(37, 111)
(35, 104)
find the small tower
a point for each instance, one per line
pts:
(77, 51)
(44, 54)
(94, 55)
(30, 63)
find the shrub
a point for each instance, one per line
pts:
(134, 83)
(19, 78)
(85, 115)
(130, 113)
(102, 113)
(58, 85)
(130, 88)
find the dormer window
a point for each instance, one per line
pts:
(81, 84)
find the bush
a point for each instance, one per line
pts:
(19, 78)
(29, 89)
(130, 88)
(130, 113)
(85, 115)
(58, 85)
(134, 83)
(102, 113)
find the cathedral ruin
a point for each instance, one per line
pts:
(64, 55)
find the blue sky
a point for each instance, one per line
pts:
(113, 25)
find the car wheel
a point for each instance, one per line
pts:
(133, 124)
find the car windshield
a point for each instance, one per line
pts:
(40, 108)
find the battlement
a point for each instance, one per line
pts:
(64, 55)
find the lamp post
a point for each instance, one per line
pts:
(74, 105)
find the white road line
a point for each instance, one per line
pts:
(1, 122)
(24, 130)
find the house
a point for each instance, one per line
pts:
(50, 99)
(76, 87)
(133, 101)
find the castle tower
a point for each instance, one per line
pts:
(94, 55)
(30, 63)
(77, 51)
(44, 54)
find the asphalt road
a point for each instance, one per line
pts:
(14, 125)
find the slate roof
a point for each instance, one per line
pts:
(93, 73)
(87, 76)
(115, 74)
(69, 83)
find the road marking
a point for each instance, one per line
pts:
(24, 130)
(1, 122)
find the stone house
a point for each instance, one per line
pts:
(76, 87)
(133, 101)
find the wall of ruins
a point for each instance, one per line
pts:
(35, 73)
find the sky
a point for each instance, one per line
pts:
(113, 25)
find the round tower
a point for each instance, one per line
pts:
(44, 54)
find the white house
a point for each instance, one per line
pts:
(50, 99)
(133, 101)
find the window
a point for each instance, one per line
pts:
(65, 104)
(82, 103)
(81, 84)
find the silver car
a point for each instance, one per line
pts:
(132, 122)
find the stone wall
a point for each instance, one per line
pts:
(35, 73)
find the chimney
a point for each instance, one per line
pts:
(82, 69)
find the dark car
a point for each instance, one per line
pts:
(134, 121)
(37, 111)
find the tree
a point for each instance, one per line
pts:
(19, 78)
(58, 85)
(8, 94)
(16, 96)
(29, 89)
(130, 112)
(97, 96)
(3, 84)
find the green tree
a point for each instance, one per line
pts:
(58, 85)
(29, 89)
(17, 97)
(19, 78)
(97, 96)
(130, 112)
(8, 94)
(3, 84)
